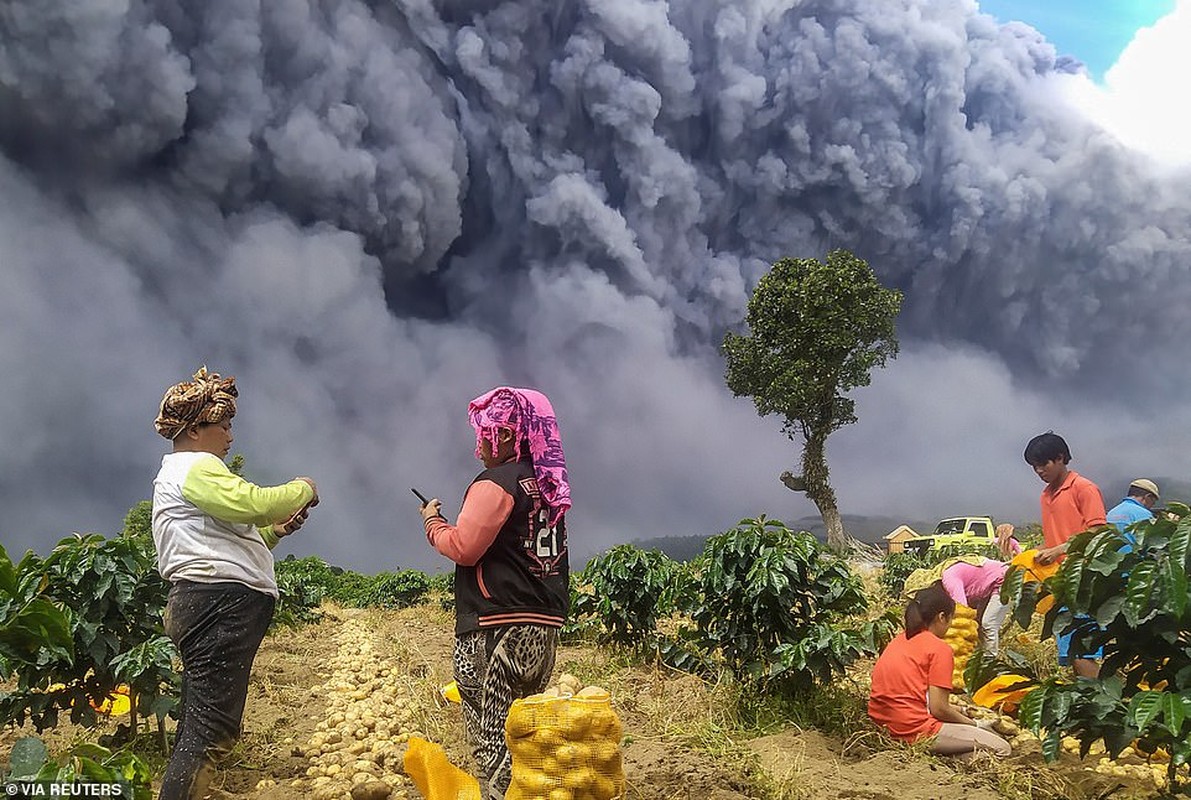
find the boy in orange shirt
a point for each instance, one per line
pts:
(1070, 504)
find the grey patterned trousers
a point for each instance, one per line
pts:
(493, 668)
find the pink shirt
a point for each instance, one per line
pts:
(968, 582)
(486, 508)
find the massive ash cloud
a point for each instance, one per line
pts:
(371, 212)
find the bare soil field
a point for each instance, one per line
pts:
(678, 743)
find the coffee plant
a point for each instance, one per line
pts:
(442, 590)
(101, 770)
(630, 589)
(774, 604)
(116, 598)
(32, 627)
(305, 582)
(1134, 602)
(400, 589)
(583, 623)
(897, 567)
(298, 597)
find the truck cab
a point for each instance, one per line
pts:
(955, 531)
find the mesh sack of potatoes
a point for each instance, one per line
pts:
(963, 636)
(565, 745)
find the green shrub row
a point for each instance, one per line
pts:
(770, 605)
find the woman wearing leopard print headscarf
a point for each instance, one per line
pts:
(214, 532)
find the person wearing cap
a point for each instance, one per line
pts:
(1137, 505)
(214, 532)
(512, 586)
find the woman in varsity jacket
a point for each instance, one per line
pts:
(214, 532)
(509, 545)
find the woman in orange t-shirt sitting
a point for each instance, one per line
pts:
(911, 694)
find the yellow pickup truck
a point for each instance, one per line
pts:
(955, 531)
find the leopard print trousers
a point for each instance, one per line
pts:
(493, 667)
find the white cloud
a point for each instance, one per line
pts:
(1143, 99)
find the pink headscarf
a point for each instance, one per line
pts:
(530, 416)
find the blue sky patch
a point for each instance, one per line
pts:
(1094, 31)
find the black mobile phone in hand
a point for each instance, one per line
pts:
(419, 495)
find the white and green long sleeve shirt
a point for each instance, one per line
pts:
(211, 525)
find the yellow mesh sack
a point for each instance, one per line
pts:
(435, 776)
(565, 748)
(963, 636)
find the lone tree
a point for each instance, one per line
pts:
(817, 331)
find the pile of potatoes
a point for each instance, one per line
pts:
(1002, 724)
(356, 752)
(1128, 764)
(567, 686)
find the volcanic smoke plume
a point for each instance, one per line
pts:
(372, 212)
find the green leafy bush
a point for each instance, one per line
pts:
(30, 763)
(896, 568)
(442, 590)
(630, 589)
(583, 623)
(402, 589)
(32, 628)
(1134, 602)
(971, 549)
(308, 580)
(773, 604)
(116, 599)
(311, 577)
(298, 597)
(311, 570)
(685, 580)
(138, 522)
(351, 589)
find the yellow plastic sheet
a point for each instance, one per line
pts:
(435, 776)
(117, 704)
(997, 694)
(1035, 572)
(450, 692)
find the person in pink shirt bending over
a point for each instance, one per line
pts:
(979, 587)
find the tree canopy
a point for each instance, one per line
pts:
(817, 330)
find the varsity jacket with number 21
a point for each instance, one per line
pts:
(511, 565)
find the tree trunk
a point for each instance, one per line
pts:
(818, 489)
